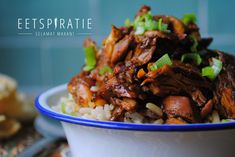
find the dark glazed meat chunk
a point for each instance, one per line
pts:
(113, 88)
(126, 103)
(206, 110)
(177, 79)
(120, 49)
(178, 106)
(80, 89)
(175, 121)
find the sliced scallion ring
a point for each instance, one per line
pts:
(189, 18)
(165, 59)
(212, 71)
(192, 56)
(90, 58)
(105, 69)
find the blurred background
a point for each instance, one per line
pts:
(38, 63)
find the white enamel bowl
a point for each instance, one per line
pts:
(91, 138)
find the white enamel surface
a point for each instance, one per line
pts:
(98, 142)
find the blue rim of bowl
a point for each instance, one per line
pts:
(121, 125)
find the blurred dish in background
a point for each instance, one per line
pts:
(8, 127)
(15, 107)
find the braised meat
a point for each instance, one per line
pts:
(179, 106)
(179, 78)
(225, 87)
(160, 68)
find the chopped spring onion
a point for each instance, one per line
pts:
(208, 71)
(192, 56)
(63, 108)
(212, 71)
(140, 28)
(128, 23)
(90, 59)
(189, 18)
(162, 27)
(160, 24)
(151, 25)
(64, 111)
(145, 23)
(105, 69)
(195, 43)
(165, 59)
(226, 120)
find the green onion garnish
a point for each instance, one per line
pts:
(145, 23)
(226, 120)
(212, 71)
(128, 23)
(165, 59)
(140, 28)
(161, 26)
(192, 56)
(90, 58)
(189, 18)
(208, 72)
(105, 69)
(63, 110)
(151, 25)
(195, 43)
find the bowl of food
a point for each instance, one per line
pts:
(154, 88)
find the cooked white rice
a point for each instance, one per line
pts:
(66, 105)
